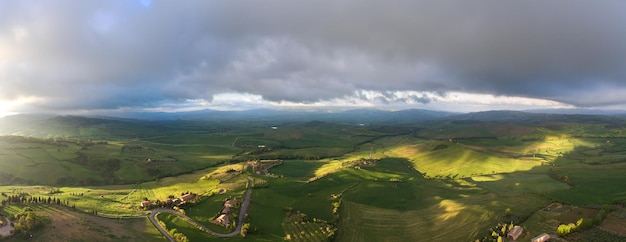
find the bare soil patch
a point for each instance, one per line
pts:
(575, 214)
(615, 222)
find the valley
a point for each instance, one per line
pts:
(441, 178)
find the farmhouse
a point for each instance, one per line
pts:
(145, 204)
(229, 203)
(225, 210)
(187, 197)
(515, 232)
(222, 219)
(541, 238)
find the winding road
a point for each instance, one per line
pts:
(242, 215)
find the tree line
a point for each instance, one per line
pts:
(25, 199)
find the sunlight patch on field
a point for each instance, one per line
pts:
(520, 183)
(408, 150)
(465, 184)
(450, 209)
(219, 157)
(224, 172)
(119, 200)
(328, 168)
(200, 187)
(474, 157)
(487, 178)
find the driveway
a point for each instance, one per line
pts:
(5, 230)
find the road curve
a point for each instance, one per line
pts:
(242, 215)
(5, 230)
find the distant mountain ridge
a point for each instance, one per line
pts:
(46, 125)
(520, 116)
(351, 116)
(97, 126)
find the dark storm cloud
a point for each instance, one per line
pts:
(109, 54)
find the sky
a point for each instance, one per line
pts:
(95, 56)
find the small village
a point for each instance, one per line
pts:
(170, 202)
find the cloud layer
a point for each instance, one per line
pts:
(81, 55)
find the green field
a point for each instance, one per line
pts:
(443, 181)
(174, 222)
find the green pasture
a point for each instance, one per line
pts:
(298, 228)
(190, 231)
(443, 181)
(452, 159)
(453, 129)
(592, 184)
(66, 162)
(300, 170)
(458, 219)
(423, 208)
(122, 200)
(599, 151)
(314, 199)
(315, 153)
(480, 156)
(209, 208)
(376, 205)
(518, 183)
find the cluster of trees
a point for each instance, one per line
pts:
(260, 183)
(336, 206)
(25, 199)
(178, 236)
(28, 221)
(561, 178)
(581, 224)
(244, 229)
(297, 156)
(497, 233)
(173, 202)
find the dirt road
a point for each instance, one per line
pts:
(5, 230)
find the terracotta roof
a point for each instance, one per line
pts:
(515, 232)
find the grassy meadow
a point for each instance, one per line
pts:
(443, 181)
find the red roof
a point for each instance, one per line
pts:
(145, 203)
